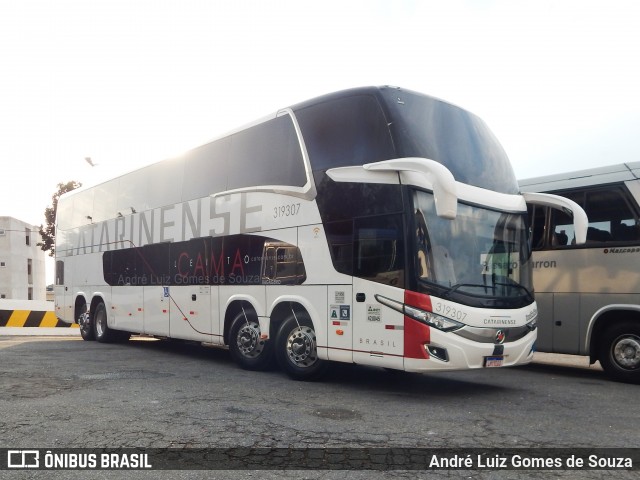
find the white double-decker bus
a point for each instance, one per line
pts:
(375, 226)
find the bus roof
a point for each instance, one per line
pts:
(581, 178)
(375, 90)
(384, 94)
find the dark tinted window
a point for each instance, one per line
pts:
(155, 263)
(611, 218)
(340, 239)
(612, 214)
(379, 249)
(345, 131)
(561, 232)
(231, 260)
(369, 247)
(537, 217)
(266, 154)
(282, 265)
(123, 267)
(342, 201)
(357, 246)
(423, 126)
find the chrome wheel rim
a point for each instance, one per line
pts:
(248, 340)
(101, 323)
(626, 352)
(83, 320)
(301, 347)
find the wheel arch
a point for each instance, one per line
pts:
(96, 299)
(605, 318)
(280, 311)
(80, 301)
(283, 305)
(234, 306)
(277, 313)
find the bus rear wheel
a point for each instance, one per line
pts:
(102, 331)
(296, 348)
(246, 346)
(620, 352)
(86, 324)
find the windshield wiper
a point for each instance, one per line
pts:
(512, 284)
(486, 287)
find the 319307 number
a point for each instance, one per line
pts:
(287, 210)
(449, 311)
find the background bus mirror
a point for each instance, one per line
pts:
(580, 220)
(444, 185)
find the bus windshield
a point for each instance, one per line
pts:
(426, 127)
(481, 258)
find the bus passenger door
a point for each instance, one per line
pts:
(378, 268)
(63, 294)
(566, 323)
(378, 331)
(544, 342)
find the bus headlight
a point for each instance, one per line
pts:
(423, 316)
(432, 319)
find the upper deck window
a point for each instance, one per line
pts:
(345, 131)
(262, 155)
(266, 154)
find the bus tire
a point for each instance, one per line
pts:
(246, 347)
(86, 324)
(102, 331)
(620, 352)
(296, 348)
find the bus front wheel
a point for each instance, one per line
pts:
(246, 346)
(620, 352)
(296, 348)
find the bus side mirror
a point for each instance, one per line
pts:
(444, 184)
(580, 220)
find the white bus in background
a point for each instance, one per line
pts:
(589, 295)
(375, 226)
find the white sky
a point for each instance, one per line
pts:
(131, 82)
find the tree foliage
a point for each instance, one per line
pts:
(48, 233)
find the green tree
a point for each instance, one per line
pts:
(48, 233)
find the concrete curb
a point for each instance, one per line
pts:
(39, 331)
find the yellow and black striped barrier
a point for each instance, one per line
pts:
(31, 318)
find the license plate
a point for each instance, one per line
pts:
(493, 361)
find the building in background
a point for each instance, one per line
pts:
(22, 264)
